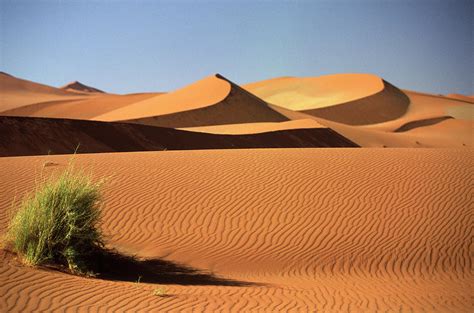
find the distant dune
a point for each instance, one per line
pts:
(469, 99)
(78, 86)
(85, 108)
(277, 230)
(16, 92)
(361, 107)
(38, 136)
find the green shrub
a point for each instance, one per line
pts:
(59, 223)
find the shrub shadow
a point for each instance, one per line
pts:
(112, 265)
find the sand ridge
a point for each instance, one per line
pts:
(397, 228)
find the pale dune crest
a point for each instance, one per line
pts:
(354, 99)
(306, 93)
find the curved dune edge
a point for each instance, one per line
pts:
(200, 94)
(307, 93)
(284, 220)
(238, 106)
(255, 128)
(388, 104)
(426, 106)
(89, 108)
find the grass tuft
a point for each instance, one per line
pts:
(59, 223)
(160, 292)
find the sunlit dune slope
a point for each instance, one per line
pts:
(211, 101)
(16, 92)
(36, 136)
(254, 128)
(461, 97)
(354, 99)
(341, 230)
(306, 93)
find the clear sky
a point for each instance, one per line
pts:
(134, 46)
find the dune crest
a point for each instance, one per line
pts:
(78, 86)
(192, 106)
(202, 93)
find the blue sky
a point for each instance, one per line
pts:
(134, 46)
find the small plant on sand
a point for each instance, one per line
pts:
(160, 292)
(137, 282)
(59, 223)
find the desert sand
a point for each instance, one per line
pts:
(338, 193)
(16, 92)
(327, 230)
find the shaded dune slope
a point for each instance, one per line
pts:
(394, 235)
(32, 136)
(388, 104)
(237, 106)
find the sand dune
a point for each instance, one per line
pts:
(38, 136)
(393, 235)
(76, 86)
(469, 99)
(16, 92)
(353, 99)
(211, 101)
(254, 128)
(306, 93)
(449, 133)
(87, 108)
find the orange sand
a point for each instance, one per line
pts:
(326, 230)
(205, 92)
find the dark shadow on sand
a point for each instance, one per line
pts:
(112, 265)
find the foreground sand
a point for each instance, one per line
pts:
(326, 230)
